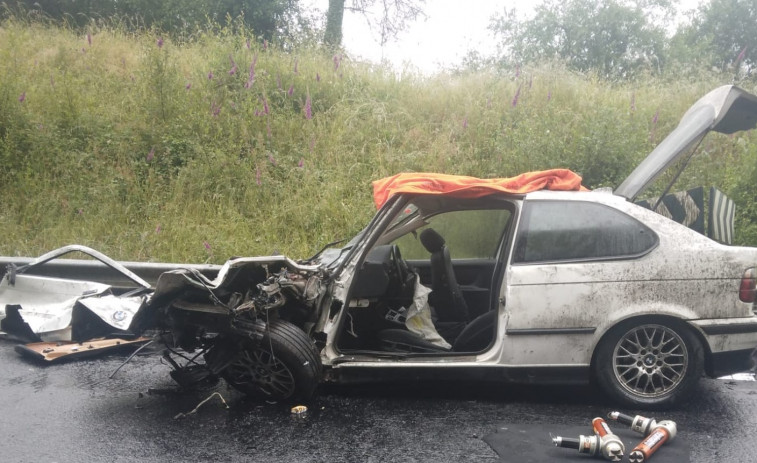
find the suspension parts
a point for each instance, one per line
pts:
(656, 434)
(637, 423)
(603, 443)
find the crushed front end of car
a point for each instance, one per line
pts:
(251, 324)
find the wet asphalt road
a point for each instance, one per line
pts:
(72, 412)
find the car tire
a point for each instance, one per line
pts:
(649, 365)
(284, 366)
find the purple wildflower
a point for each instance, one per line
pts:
(248, 44)
(84, 51)
(290, 92)
(308, 108)
(516, 97)
(549, 95)
(266, 109)
(22, 97)
(210, 75)
(188, 86)
(741, 55)
(489, 102)
(89, 39)
(465, 123)
(80, 211)
(517, 71)
(158, 229)
(301, 163)
(317, 77)
(296, 62)
(257, 175)
(215, 109)
(271, 159)
(257, 113)
(633, 102)
(654, 126)
(160, 42)
(207, 245)
(151, 154)
(337, 61)
(233, 69)
(251, 76)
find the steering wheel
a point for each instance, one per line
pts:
(400, 266)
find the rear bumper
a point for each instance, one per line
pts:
(732, 343)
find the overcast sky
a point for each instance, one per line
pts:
(451, 29)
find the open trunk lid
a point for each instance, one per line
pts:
(726, 109)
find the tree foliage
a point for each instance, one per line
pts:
(267, 18)
(725, 31)
(615, 38)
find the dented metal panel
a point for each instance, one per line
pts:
(44, 304)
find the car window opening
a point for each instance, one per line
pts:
(430, 284)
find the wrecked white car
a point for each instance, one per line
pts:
(531, 279)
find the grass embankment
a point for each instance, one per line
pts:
(153, 150)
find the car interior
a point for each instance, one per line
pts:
(439, 262)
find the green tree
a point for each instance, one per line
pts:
(615, 38)
(725, 32)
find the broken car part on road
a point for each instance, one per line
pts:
(530, 279)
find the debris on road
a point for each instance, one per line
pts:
(299, 410)
(194, 410)
(52, 352)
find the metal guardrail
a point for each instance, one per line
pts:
(93, 270)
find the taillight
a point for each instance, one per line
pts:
(748, 288)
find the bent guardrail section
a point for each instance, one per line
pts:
(93, 270)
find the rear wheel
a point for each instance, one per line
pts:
(283, 366)
(649, 365)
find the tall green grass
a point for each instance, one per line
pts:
(125, 144)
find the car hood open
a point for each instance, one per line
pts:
(726, 109)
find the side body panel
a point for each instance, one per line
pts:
(558, 312)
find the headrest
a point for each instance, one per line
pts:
(431, 240)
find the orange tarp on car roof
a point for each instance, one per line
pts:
(470, 187)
